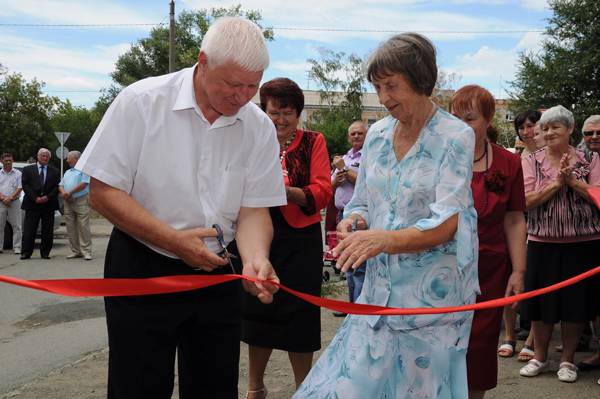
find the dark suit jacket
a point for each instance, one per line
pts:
(31, 187)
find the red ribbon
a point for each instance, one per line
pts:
(164, 285)
(595, 194)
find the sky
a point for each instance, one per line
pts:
(75, 61)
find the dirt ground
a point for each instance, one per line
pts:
(86, 378)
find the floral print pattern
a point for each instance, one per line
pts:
(419, 356)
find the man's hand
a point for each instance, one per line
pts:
(191, 249)
(340, 177)
(70, 200)
(6, 201)
(339, 163)
(261, 269)
(41, 200)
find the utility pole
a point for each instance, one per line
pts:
(172, 38)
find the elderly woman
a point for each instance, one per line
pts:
(524, 124)
(499, 200)
(537, 136)
(413, 195)
(289, 323)
(564, 237)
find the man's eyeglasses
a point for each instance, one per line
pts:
(590, 133)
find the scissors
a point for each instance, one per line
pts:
(225, 254)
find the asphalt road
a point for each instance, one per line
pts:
(44, 339)
(40, 331)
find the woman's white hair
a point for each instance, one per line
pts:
(557, 114)
(236, 40)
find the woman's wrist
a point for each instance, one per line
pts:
(288, 192)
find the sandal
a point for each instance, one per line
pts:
(507, 349)
(264, 390)
(526, 353)
(534, 367)
(566, 374)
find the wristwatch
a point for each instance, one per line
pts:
(346, 168)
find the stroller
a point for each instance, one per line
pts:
(328, 259)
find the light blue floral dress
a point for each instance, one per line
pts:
(409, 356)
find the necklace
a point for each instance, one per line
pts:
(484, 152)
(418, 147)
(487, 193)
(284, 147)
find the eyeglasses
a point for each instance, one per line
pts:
(590, 133)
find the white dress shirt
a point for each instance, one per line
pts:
(155, 144)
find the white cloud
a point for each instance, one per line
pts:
(531, 41)
(73, 82)
(75, 12)
(291, 67)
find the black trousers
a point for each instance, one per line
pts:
(203, 326)
(30, 225)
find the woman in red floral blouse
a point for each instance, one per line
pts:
(289, 323)
(498, 192)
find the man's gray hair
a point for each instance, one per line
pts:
(594, 119)
(410, 54)
(236, 40)
(557, 114)
(75, 154)
(355, 122)
(44, 150)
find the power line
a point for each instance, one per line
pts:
(307, 29)
(71, 91)
(81, 25)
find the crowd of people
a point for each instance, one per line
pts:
(429, 213)
(41, 185)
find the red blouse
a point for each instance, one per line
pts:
(307, 163)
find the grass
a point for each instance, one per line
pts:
(332, 287)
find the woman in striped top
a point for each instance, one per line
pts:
(564, 237)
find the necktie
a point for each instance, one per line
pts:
(42, 178)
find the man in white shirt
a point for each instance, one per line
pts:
(10, 208)
(223, 169)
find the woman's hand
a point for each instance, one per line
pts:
(358, 247)
(565, 171)
(515, 286)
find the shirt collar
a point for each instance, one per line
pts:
(39, 165)
(186, 99)
(352, 154)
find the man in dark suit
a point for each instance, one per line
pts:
(40, 185)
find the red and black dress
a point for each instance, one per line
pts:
(290, 323)
(494, 263)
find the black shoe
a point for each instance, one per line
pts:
(25, 257)
(339, 314)
(522, 335)
(46, 257)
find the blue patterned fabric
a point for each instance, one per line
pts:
(409, 356)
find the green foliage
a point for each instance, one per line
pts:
(565, 71)
(79, 121)
(25, 117)
(342, 86)
(150, 56)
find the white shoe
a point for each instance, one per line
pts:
(566, 374)
(73, 256)
(88, 257)
(17, 251)
(534, 367)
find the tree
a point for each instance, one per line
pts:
(79, 121)
(566, 69)
(150, 56)
(342, 85)
(25, 115)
